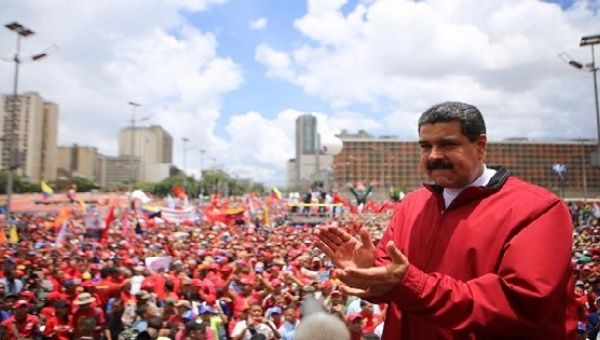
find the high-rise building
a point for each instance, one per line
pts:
(390, 162)
(310, 165)
(32, 124)
(151, 145)
(306, 135)
(78, 160)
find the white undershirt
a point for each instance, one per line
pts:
(481, 181)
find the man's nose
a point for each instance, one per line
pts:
(436, 153)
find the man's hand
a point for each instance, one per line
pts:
(375, 281)
(345, 250)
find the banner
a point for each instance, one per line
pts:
(179, 215)
(157, 262)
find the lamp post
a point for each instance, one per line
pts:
(589, 41)
(14, 158)
(134, 106)
(202, 152)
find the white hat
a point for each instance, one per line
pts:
(84, 299)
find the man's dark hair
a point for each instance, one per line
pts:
(155, 322)
(471, 120)
(106, 272)
(194, 326)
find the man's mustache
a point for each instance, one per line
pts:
(439, 165)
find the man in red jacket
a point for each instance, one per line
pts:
(476, 254)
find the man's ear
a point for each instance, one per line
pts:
(481, 143)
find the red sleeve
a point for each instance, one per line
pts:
(49, 329)
(531, 279)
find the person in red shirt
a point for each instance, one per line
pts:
(85, 309)
(106, 288)
(59, 326)
(476, 254)
(21, 324)
(370, 320)
(355, 326)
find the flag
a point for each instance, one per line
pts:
(64, 214)
(266, 217)
(60, 237)
(3, 239)
(560, 170)
(178, 191)
(83, 206)
(107, 221)
(13, 236)
(277, 193)
(46, 189)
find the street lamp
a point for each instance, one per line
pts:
(134, 106)
(202, 152)
(589, 41)
(185, 140)
(13, 163)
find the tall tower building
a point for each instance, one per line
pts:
(310, 164)
(306, 135)
(34, 124)
(151, 145)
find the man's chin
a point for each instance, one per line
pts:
(444, 181)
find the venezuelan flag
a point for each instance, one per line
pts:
(46, 189)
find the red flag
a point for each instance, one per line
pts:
(107, 221)
(178, 191)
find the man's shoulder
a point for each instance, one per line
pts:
(8, 321)
(526, 191)
(32, 318)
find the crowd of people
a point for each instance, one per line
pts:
(586, 266)
(213, 278)
(239, 278)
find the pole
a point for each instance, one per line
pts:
(594, 71)
(13, 157)
(382, 169)
(584, 173)
(185, 140)
(133, 135)
(202, 151)
(317, 161)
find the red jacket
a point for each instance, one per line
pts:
(494, 264)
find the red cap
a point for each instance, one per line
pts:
(21, 303)
(27, 295)
(53, 296)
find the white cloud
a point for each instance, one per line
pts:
(112, 52)
(260, 147)
(400, 57)
(258, 24)
(278, 63)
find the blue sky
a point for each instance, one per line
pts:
(232, 75)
